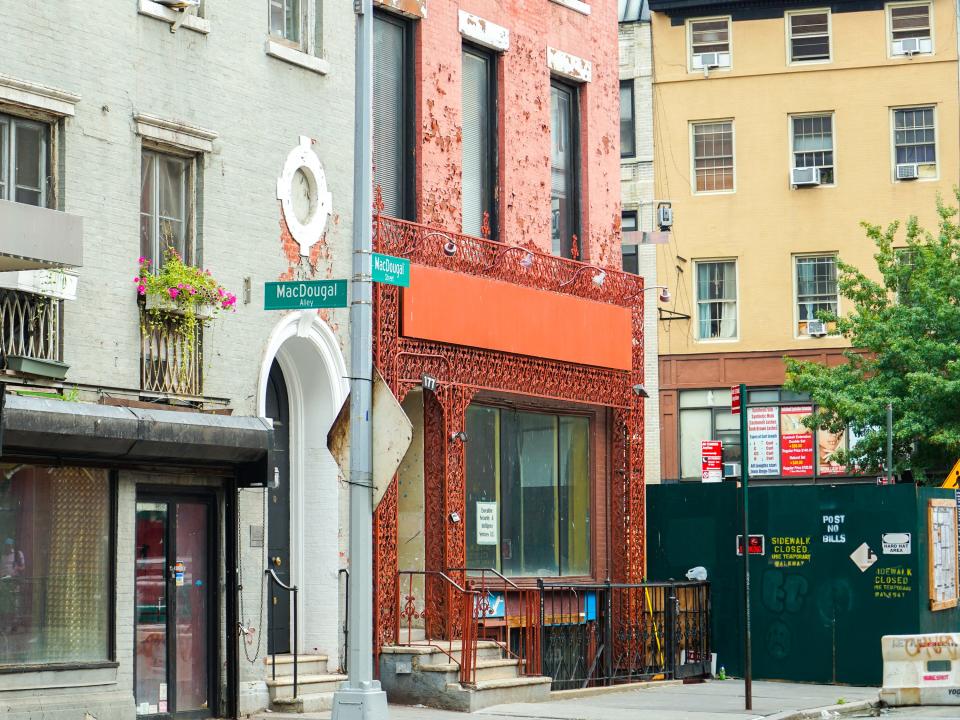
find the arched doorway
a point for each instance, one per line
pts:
(303, 364)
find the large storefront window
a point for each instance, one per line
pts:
(54, 564)
(528, 492)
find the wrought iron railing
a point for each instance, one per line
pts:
(31, 325)
(609, 633)
(171, 355)
(516, 264)
(415, 608)
(508, 615)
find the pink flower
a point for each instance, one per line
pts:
(173, 292)
(142, 289)
(141, 260)
(136, 280)
(220, 291)
(180, 285)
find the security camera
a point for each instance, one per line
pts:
(640, 390)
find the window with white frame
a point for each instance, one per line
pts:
(813, 146)
(809, 36)
(716, 300)
(297, 25)
(915, 143)
(286, 21)
(816, 293)
(710, 43)
(910, 28)
(25, 161)
(713, 156)
(166, 206)
(705, 415)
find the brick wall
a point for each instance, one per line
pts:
(524, 119)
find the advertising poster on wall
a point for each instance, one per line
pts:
(827, 444)
(796, 441)
(763, 437)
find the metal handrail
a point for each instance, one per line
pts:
(467, 663)
(529, 639)
(292, 589)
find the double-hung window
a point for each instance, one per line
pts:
(630, 227)
(393, 114)
(564, 168)
(713, 156)
(705, 415)
(717, 300)
(910, 29)
(709, 43)
(24, 161)
(816, 291)
(809, 36)
(479, 136)
(915, 143)
(813, 146)
(165, 206)
(528, 492)
(628, 131)
(287, 21)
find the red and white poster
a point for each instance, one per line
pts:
(796, 442)
(711, 460)
(763, 434)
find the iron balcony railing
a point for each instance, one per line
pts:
(32, 326)
(171, 359)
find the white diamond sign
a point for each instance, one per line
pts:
(863, 557)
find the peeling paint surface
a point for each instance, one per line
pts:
(411, 8)
(524, 119)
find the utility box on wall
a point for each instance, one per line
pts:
(843, 565)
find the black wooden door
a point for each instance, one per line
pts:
(278, 514)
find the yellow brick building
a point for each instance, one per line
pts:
(778, 128)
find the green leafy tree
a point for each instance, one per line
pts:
(904, 329)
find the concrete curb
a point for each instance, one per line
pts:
(591, 691)
(817, 713)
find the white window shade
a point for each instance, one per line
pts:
(477, 169)
(389, 113)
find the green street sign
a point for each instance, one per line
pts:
(390, 270)
(304, 294)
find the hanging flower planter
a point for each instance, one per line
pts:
(178, 300)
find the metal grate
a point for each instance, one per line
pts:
(31, 325)
(170, 361)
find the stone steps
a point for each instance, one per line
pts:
(306, 665)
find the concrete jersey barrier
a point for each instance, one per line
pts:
(921, 669)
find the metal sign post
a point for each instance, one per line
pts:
(362, 698)
(739, 394)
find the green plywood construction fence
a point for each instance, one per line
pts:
(816, 616)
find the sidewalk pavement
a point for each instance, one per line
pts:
(716, 700)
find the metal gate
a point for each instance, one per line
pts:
(610, 633)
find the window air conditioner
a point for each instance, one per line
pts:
(731, 469)
(912, 46)
(816, 328)
(907, 171)
(706, 61)
(806, 176)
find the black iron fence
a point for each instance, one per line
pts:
(610, 633)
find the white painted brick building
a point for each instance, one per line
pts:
(229, 96)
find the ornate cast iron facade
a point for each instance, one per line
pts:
(462, 372)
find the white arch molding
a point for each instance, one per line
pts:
(315, 372)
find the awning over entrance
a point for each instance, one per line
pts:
(119, 435)
(34, 238)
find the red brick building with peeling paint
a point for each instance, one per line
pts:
(517, 349)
